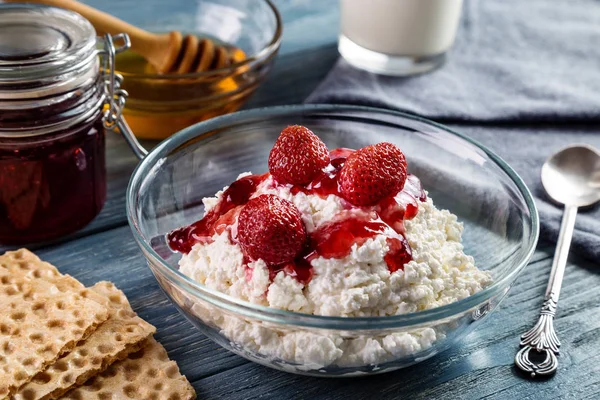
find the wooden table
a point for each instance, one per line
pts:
(481, 367)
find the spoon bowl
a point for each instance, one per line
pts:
(572, 176)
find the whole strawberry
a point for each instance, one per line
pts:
(271, 228)
(298, 156)
(372, 173)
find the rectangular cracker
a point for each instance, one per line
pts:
(146, 374)
(122, 334)
(41, 319)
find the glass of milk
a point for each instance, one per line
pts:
(397, 37)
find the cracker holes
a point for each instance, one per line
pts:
(158, 386)
(41, 378)
(55, 324)
(105, 348)
(60, 305)
(18, 316)
(105, 396)
(8, 348)
(6, 280)
(28, 362)
(28, 394)
(37, 338)
(82, 352)
(132, 372)
(80, 323)
(115, 298)
(130, 391)
(10, 291)
(152, 373)
(60, 366)
(75, 395)
(79, 362)
(67, 379)
(118, 337)
(30, 295)
(20, 376)
(5, 329)
(49, 348)
(39, 309)
(172, 371)
(174, 396)
(25, 265)
(76, 313)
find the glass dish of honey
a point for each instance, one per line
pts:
(159, 105)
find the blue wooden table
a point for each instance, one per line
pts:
(481, 367)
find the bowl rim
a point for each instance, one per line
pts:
(249, 61)
(277, 316)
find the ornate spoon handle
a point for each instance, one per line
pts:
(542, 337)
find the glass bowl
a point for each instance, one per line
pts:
(162, 104)
(499, 216)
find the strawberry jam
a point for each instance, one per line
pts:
(334, 239)
(52, 138)
(55, 183)
(217, 219)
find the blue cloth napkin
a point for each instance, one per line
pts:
(523, 78)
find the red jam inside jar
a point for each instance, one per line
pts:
(52, 139)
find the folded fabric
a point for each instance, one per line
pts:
(523, 79)
(512, 60)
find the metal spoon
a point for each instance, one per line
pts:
(570, 177)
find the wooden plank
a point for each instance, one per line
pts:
(481, 366)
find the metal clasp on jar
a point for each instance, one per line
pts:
(116, 97)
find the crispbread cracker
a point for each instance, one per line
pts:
(41, 319)
(122, 334)
(147, 374)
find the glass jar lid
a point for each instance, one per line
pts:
(43, 47)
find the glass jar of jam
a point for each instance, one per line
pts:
(55, 82)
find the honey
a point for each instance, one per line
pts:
(160, 105)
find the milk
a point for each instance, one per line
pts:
(410, 32)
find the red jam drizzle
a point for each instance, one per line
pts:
(333, 239)
(299, 269)
(218, 218)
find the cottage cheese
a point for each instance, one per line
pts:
(358, 285)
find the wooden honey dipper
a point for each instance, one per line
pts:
(167, 52)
